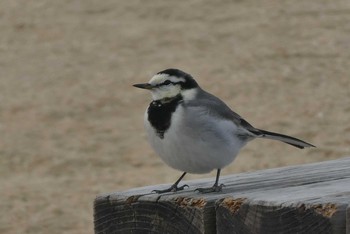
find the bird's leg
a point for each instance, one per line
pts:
(174, 187)
(215, 188)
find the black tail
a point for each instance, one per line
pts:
(284, 138)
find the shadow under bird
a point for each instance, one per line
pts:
(193, 131)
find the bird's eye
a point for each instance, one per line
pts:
(167, 82)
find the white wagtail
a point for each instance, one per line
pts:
(195, 132)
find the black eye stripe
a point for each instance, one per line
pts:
(167, 82)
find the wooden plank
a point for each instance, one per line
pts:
(150, 212)
(301, 209)
(310, 198)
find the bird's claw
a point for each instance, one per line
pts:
(173, 188)
(214, 188)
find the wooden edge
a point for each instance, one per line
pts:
(146, 212)
(242, 215)
(299, 171)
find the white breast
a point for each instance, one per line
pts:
(197, 144)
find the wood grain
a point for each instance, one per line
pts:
(311, 198)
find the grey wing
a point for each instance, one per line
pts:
(215, 107)
(205, 102)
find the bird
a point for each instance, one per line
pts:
(194, 131)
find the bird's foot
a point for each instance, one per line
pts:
(173, 188)
(214, 188)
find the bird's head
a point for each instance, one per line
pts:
(170, 83)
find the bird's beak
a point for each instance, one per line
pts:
(143, 86)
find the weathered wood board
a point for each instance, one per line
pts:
(311, 198)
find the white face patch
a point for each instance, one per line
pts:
(165, 91)
(160, 78)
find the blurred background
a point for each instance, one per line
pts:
(72, 124)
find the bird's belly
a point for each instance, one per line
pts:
(196, 149)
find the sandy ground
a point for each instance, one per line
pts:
(71, 123)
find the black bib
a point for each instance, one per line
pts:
(160, 112)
